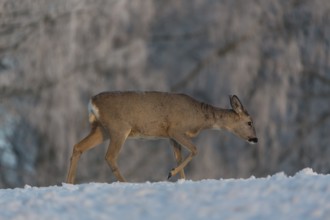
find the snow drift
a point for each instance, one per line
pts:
(303, 196)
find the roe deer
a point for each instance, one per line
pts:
(179, 117)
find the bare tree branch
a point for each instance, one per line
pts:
(206, 61)
(315, 74)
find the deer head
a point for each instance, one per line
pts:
(241, 124)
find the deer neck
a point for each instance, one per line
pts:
(224, 118)
(217, 118)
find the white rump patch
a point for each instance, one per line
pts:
(216, 127)
(93, 110)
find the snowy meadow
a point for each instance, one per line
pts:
(306, 195)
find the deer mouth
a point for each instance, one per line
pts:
(253, 140)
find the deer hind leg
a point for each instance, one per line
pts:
(117, 140)
(178, 156)
(185, 142)
(95, 137)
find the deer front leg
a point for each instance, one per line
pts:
(185, 142)
(178, 156)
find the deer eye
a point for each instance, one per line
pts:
(250, 123)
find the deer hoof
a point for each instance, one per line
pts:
(170, 174)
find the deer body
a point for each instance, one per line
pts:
(179, 117)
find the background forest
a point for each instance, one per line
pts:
(54, 55)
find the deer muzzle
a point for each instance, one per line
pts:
(253, 140)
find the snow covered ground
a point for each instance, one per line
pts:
(303, 196)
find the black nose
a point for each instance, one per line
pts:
(253, 140)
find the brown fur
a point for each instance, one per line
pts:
(179, 117)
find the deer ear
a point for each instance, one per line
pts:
(236, 104)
